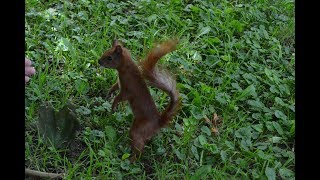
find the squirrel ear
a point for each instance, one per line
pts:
(118, 49)
(115, 42)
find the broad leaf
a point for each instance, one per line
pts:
(201, 172)
(59, 127)
(270, 173)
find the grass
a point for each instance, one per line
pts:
(235, 59)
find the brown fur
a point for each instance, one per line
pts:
(147, 120)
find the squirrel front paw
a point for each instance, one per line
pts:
(108, 96)
(114, 107)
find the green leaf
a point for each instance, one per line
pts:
(214, 40)
(229, 144)
(264, 156)
(250, 78)
(222, 98)
(269, 126)
(275, 139)
(101, 153)
(223, 155)
(241, 162)
(209, 73)
(197, 113)
(47, 127)
(258, 127)
(201, 172)
(195, 55)
(83, 15)
(257, 116)
(293, 128)
(237, 25)
(244, 133)
(58, 127)
(97, 133)
(176, 139)
(256, 103)
(280, 115)
(246, 144)
(195, 9)
(180, 155)
(83, 110)
(111, 133)
(279, 101)
(79, 39)
(226, 57)
(249, 91)
(256, 44)
(137, 34)
(284, 89)
(106, 105)
(261, 146)
(195, 152)
(292, 108)
(274, 90)
(236, 86)
(277, 127)
(125, 156)
(202, 140)
(270, 173)
(206, 130)
(286, 173)
(178, 127)
(161, 150)
(204, 30)
(152, 18)
(125, 165)
(265, 33)
(213, 148)
(69, 46)
(82, 86)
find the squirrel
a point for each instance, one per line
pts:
(133, 88)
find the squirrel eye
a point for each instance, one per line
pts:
(108, 58)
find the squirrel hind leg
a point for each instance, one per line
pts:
(137, 144)
(140, 133)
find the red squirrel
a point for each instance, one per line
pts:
(133, 88)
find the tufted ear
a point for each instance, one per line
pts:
(118, 49)
(115, 42)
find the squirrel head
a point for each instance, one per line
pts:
(112, 58)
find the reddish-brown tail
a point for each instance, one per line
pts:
(161, 78)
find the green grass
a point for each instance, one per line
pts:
(235, 59)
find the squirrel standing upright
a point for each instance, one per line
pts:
(147, 120)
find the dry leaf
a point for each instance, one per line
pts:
(215, 131)
(216, 120)
(215, 123)
(178, 134)
(207, 120)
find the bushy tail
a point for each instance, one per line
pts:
(161, 78)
